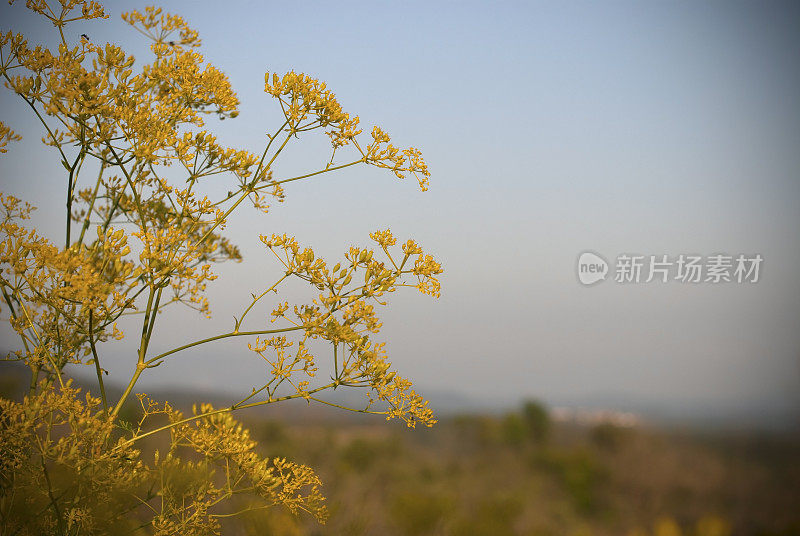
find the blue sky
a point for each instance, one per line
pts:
(550, 129)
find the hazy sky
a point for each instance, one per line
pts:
(644, 128)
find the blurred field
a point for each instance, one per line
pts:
(519, 473)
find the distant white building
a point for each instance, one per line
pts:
(593, 417)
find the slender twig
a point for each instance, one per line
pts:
(219, 411)
(53, 501)
(97, 368)
(159, 357)
(270, 289)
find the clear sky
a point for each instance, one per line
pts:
(552, 128)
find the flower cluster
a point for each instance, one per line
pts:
(51, 293)
(308, 105)
(344, 314)
(57, 444)
(229, 467)
(7, 135)
(144, 224)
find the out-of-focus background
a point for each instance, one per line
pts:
(550, 129)
(527, 470)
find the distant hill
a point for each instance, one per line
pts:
(14, 379)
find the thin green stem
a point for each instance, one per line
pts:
(222, 410)
(159, 357)
(87, 221)
(97, 368)
(316, 173)
(269, 144)
(56, 368)
(146, 324)
(135, 194)
(140, 364)
(128, 389)
(336, 360)
(35, 368)
(46, 126)
(53, 501)
(270, 289)
(154, 314)
(346, 408)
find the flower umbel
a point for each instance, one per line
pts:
(144, 223)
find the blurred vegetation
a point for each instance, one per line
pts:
(519, 473)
